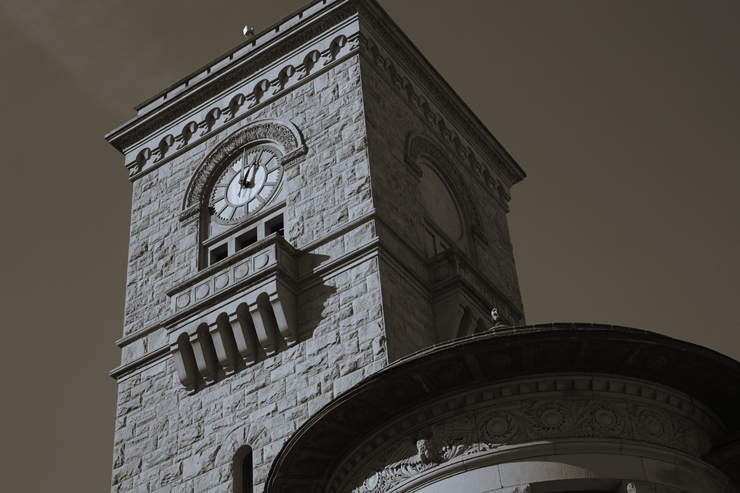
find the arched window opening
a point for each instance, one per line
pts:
(445, 226)
(242, 470)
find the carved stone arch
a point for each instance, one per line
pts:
(253, 434)
(419, 144)
(282, 133)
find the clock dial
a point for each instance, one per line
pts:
(246, 184)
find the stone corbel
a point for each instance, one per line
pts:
(185, 363)
(395, 77)
(225, 344)
(205, 353)
(259, 91)
(187, 132)
(245, 336)
(233, 108)
(138, 163)
(284, 307)
(209, 121)
(264, 323)
(163, 147)
(308, 64)
(474, 162)
(282, 79)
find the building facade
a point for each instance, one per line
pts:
(318, 237)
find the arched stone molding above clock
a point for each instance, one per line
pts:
(420, 147)
(281, 133)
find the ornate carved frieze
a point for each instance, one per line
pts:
(494, 187)
(435, 87)
(235, 76)
(574, 387)
(245, 99)
(499, 426)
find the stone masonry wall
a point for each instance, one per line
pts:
(396, 194)
(322, 197)
(168, 441)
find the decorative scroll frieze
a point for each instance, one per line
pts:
(465, 154)
(499, 426)
(236, 76)
(247, 98)
(433, 86)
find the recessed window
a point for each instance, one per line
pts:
(218, 254)
(276, 225)
(248, 238)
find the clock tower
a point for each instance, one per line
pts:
(318, 241)
(312, 206)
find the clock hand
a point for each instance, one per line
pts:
(241, 173)
(251, 174)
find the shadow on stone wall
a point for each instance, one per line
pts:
(315, 302)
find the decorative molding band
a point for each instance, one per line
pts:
(135, 336)
(442, 94)
(220, 117)
(571, 451)
(149, 357)
(191, 100)
(499, 426)
(231, 106)
(449, 102)
(273, 255)
(435, 122)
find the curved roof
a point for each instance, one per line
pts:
(703, 374)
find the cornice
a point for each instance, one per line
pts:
(221, 79)
(224, 74)
(152, 356)
(403, 50)
(472, 429)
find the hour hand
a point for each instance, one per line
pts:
(249, 179)
(244, 179)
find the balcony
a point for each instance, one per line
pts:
(234, 313)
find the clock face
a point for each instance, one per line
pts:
(246, 184)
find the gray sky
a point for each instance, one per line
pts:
(624, 114)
